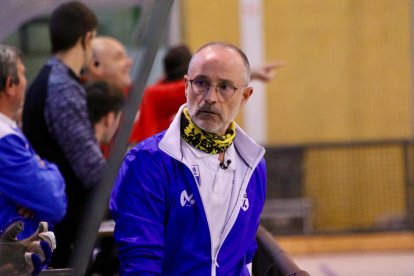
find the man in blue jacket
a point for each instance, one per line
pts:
(31, 190)
(29, 186)
(187, 201)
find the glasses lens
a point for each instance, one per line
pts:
(226, 90)
(200, 86)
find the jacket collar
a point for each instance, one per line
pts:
(55, 62)
(7, 120)
(245, 146)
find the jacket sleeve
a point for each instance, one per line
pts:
(138, 205)
(29, 181)
(261, 180)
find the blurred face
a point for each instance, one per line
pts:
(111, 126)
(111, 62)
(16, 93)
(218, 66)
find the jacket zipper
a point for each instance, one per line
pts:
(213, 258)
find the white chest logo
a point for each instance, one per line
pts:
(185, 199)
(245, 203)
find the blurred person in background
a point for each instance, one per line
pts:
(29, 186)
(32, 190)
(105, 103)
(161, 101)
(56, 120)
(110, 62)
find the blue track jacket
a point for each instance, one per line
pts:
(161, 227)
(27, 181)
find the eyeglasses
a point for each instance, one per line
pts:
(225, 90)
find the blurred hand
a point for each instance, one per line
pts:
(267, 71)
(27, 256)
(25, 212)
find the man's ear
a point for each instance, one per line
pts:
(88, 37)
(187, 82)
(9, 85)
(247, 92)
(86, 40)
(9, 82)
(95, 67)
(109, 119)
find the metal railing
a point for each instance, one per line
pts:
(353, 186)
(271, 260)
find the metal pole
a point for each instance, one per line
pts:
(152, 34)
(281, 262)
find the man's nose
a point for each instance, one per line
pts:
(211, 94)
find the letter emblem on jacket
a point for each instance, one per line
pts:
(245, 203)
(185, 199)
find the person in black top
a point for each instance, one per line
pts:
(56, 121)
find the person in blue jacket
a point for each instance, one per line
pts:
(187, 201)
(29, 186)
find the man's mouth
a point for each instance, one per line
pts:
(207, 112)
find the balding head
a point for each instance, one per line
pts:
(110, 62)
(219, 44)
(102, 44)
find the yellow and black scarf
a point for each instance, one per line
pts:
(203, 140)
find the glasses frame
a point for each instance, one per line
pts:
(219, 95)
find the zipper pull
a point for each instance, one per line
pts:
(215, 262)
